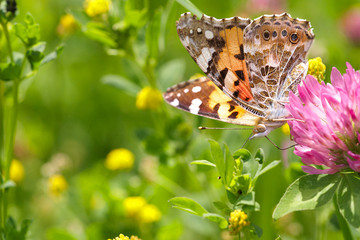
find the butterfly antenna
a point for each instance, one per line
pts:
(247, 139)
(282, 149)
(215, 128)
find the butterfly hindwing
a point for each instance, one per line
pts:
(202, 97)
(217, 47)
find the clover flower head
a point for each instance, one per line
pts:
(67, 25)
(123, 237)
(119, 159)
(97, 7)
(149, 98)
(57, 184)
(326, 123)
(17, 171)
(237, 221)
(317, 68)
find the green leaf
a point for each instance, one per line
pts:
(229, 166)
(222, 207)
(257, 229)
(134, 17)
(268, 167)
(29, 33)
(307, 192)
(11, 231)
(121, 83)
(188, 205)
(98, 32)
(218, 158)
(349, 198)
(10, 71)
(222, 222)
(190, 6)
(231, 197)
(203, 162)
(259, 155)
(243, 154)
(53, 55)
(35, 54)
(8, 184)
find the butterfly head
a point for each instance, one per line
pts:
(263, 129)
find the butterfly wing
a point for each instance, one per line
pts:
(202, 97)
(216, 45)
(275, 48)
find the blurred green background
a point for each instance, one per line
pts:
(68, 113)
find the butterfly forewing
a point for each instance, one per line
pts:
(202, 97)
(216, 45)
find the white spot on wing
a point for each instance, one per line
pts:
(199, 30)
(178, 95)
(195, 106)
(209, 34)
(175, 102)
(186, 90)
(196, 89)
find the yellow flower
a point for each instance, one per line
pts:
(285, 129)
(17, 171)
(123, 237)
(237, 220)
(317, 68)
(119, 159)
(133, 205)
(57, 184)
(148, 98)
(96, 7)
(149, 213)
(67, 25)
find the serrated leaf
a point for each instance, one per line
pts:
(190, 7)
(229, 166)
(307, 192)
(348, 200)
(188, 205)
(121, 83)
(222, 222)
(218, 158)
(53, 55)
(222, 207)
(203, 162)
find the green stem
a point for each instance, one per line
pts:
(344, 226)
(8, 42)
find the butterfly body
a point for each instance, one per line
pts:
(251, 66)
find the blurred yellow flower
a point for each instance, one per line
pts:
(149, 213)
(149, 98)
(317, 68)
(67, 25)
(57, 184)
(285, 129)
(17, 171)
(96, 7)
(133, 205)
(237, 220)
(119, 159)
(123, 237)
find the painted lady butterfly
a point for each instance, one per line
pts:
(251, 65)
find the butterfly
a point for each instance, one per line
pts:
(251, 67)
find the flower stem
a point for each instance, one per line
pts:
(344, 226)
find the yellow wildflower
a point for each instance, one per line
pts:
(149, 213)
(67, 25)
(123, 237)
(237, 220)
(133, 205)
(119, 159)
(96, 7)
(285, 129)
(148, 98)
(317, 68)
(17, 171)
(57, 184)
